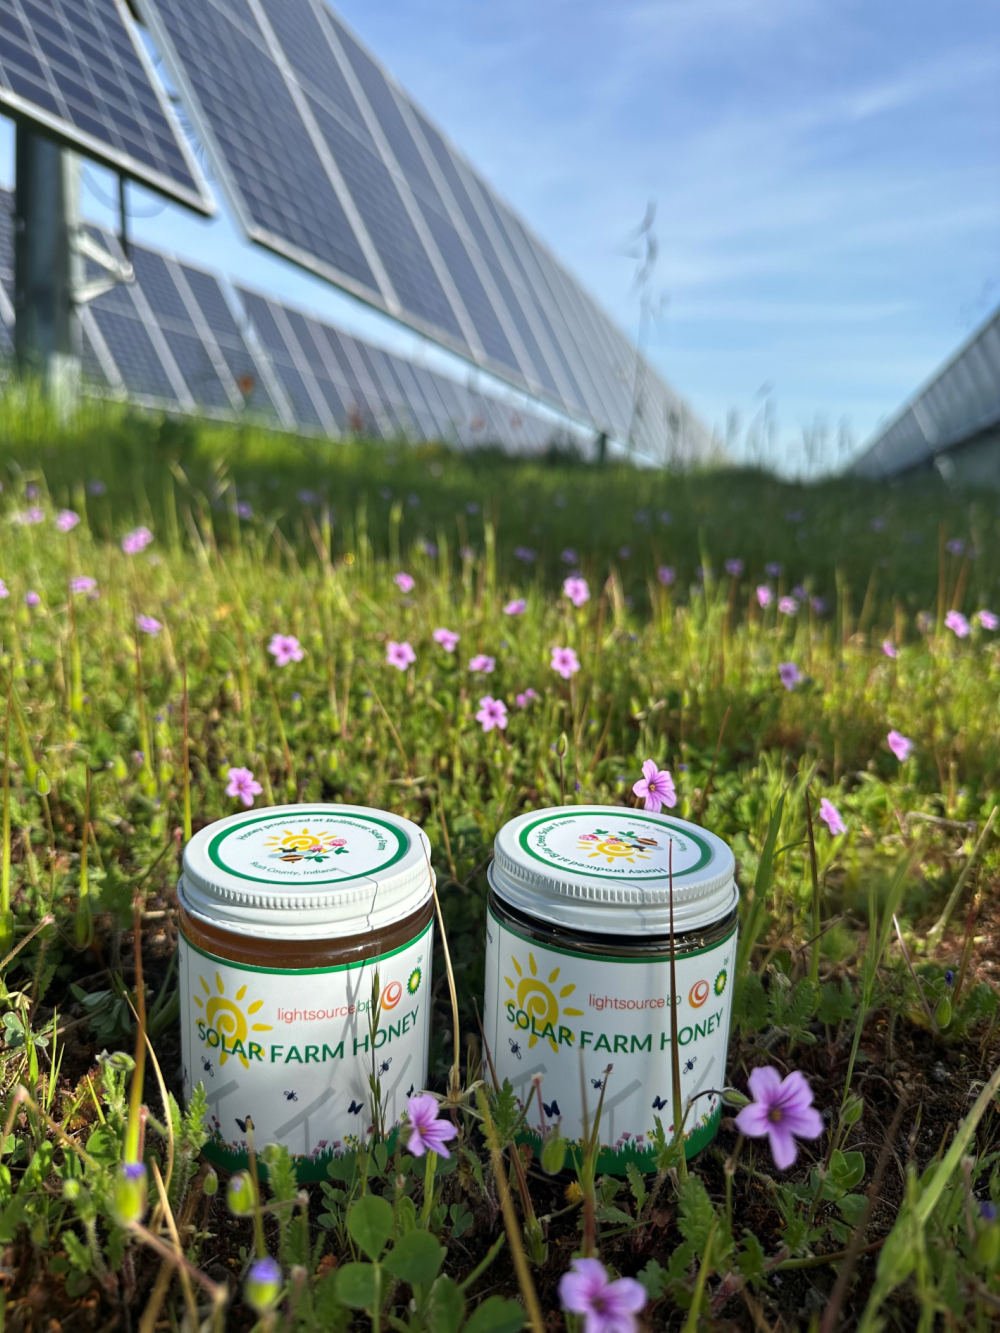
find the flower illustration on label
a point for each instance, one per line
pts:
(538, 1005)
(413, 983)
(305, 846)
(720, 981)
(615, 846)
(698, 994)
(226, 1025)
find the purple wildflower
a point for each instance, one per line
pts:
(900, 745)
(447, 638)
(522, 700)
(831, 817)
(788, 606)
(624, 552)
(764, 595)
(244, 509)
(399, 655)
(956, 546)
(404, 582)
(148, 624)
(31, 598)
(517, 607)
(28, 517)
(243, 785)
(82, 583)
(96, 488)
(67, 519)
(773, 569)
(483, 664)
(565, 662)
(988, 1211)
(4, 590)
(524, 554)
(656, 787)
(576, 590)
(569, 556)
(889, 648)
(667, 575)
(137, 540)
(988, 620)
(957, 623)
(492, 713)
(263, 1284)
(426, 1132)
(782, 1109)
(734, 567)
(307, 497)
(606, 1306)
(790, 675)
(819, 605)
(285, 648)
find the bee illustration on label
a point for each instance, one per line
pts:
(206, 1064)
(514, 1047)
(551, 1108)
(658, 1103)
(354, 1107)
(244, 1124)
(384, 1066)
(290, 1096)
(597, 1083)
(690, 1064)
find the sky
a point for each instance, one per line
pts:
(825, 175)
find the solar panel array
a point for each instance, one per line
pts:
(77, 69)
(172, 340)
(325, 160)
(960, 401)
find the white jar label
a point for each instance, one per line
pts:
(292, 1049)
(616, 845)
(545, 1005)
(315, 847)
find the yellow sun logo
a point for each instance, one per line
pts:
(538, 1001)
(291, 845)
(228, 1019)
(612, 847)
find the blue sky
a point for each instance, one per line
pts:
(825, 174)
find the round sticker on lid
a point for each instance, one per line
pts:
(310, 847)
(614, 844)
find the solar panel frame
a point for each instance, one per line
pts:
(95, 110)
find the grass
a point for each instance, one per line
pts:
(119, 739)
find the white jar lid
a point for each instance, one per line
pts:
(606, 869)
(306, 872)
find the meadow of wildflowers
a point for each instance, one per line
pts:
(181, 639)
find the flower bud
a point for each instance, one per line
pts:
(71, 1189)
(210, 1185)
(942, 1014)
(239, 1195)
(988, 1246)
(129, 1199)
(263, 1285)
(553, 1153)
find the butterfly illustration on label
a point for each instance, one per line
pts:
(551, 1108)
(246, 1124)
(658, 1103)
(355, 1107)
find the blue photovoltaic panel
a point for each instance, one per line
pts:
(229, 339)
(327, 161)
(76, 70)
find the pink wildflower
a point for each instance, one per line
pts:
(148, 624)
(889, 648)
(66, 520)
(404, 582)
(900, 745)
(988, 620)
(666, 575)
(31, 598)
(957, 623)
(243, 785)
(656, 787)
(4, 590)
(565, 662)
(30, 516)
(782, 1109)
(831, 817)
(399, 655)
(137, 540)
(285, 648)
(482, 664)
(522, 700)
(576, 590)
(516, 608)
(788, 606)
(606, 1306)
(764, 595)
(492, 713)
(790, 675)
(82, 583)
(425, 1132)
(447, 638)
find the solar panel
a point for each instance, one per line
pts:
(77, 71)
(326, 161)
